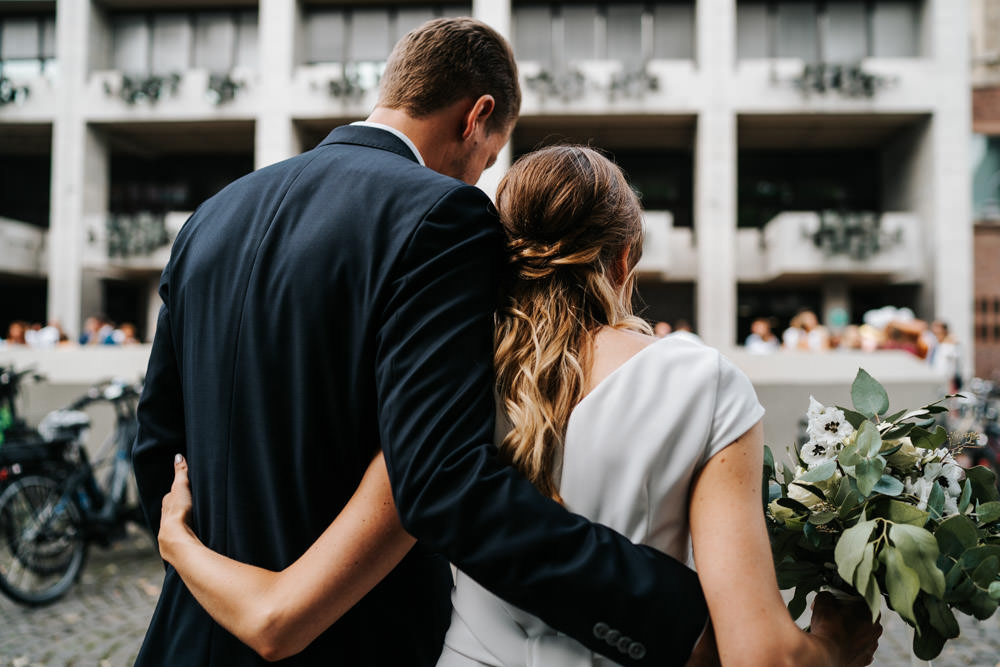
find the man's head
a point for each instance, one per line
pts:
(453, 84)
(449, 59)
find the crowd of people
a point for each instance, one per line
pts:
(885, 328)
(97, 330)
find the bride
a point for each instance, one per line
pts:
(658, 438)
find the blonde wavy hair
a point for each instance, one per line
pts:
(574, 236)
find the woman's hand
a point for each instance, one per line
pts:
(175, 528)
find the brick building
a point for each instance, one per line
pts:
(986, 185)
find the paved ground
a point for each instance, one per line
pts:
(102, 621)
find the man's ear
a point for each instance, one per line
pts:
(477, 115)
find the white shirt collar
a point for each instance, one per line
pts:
(405, 139)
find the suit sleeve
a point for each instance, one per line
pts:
(436, 413)
(161, 419)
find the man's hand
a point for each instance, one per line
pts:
(847, 628)
(175, 517)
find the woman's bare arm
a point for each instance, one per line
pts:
(278, 614)
(735, 567)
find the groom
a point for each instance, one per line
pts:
(340, 302)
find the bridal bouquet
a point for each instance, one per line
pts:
(877, 506)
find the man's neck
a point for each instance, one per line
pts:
(428, 134)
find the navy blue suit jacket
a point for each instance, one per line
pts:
(325, 307)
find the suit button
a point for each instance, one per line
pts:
(624, 643)
(636, 651)
(612, 637)
(601, 630)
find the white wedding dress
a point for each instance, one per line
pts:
(633, 446)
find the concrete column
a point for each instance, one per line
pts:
(274, 134)
(715, 177)
(951, 181)
(68, 166)
(496, 13)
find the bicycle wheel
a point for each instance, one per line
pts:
(42, 547)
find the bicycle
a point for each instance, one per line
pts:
(50, 516)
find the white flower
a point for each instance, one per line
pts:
(814, 452)
(827, 426)
(921, 488)
(950, 506)
(950, 479)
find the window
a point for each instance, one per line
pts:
(168, 42)
(830, 31)
(27, 45)
(363, 33)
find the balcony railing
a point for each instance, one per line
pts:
(811, 243)
(25, 249)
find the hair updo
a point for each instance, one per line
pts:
(574, 236)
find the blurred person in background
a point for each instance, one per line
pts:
(761, 339)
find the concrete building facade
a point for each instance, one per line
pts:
(789, 153)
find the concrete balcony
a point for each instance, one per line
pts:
(769, 86)
(790, 247)
(188, 95)
(329, 90)
(106, 246)
(597, 87)
(25, 249)
(35, 98)
(656, 246)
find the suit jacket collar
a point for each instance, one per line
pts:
(372, 137)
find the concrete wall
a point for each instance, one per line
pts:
(784, 381)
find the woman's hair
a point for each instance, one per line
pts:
(574, 236)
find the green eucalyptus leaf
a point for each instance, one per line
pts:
(954, 577)
(983, 481)
(812, 535)
(888, 485)
(955, 535)
(965, 498)
(855, 419)
(941, 617)
(814, 490)
(902, 582)
(899, 512)
(787, 475)
(793, 504)
(982, 605)
(973, 557)
(849, 456)
(928, 643)
(869, 397)
(820, 472)
(894, 416)
(843, 493)
(935, 409)
(869, 442)
(994, 590)
(986, 572)
(865, 567)
(897, 432)
(768, 460)
(886, 453)
(792, 573)
(822, 518)
(935, 503)
(873, 597)
(868, 472)
(988, 512)
(938, 437)
(919, 550)
(850, 548)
